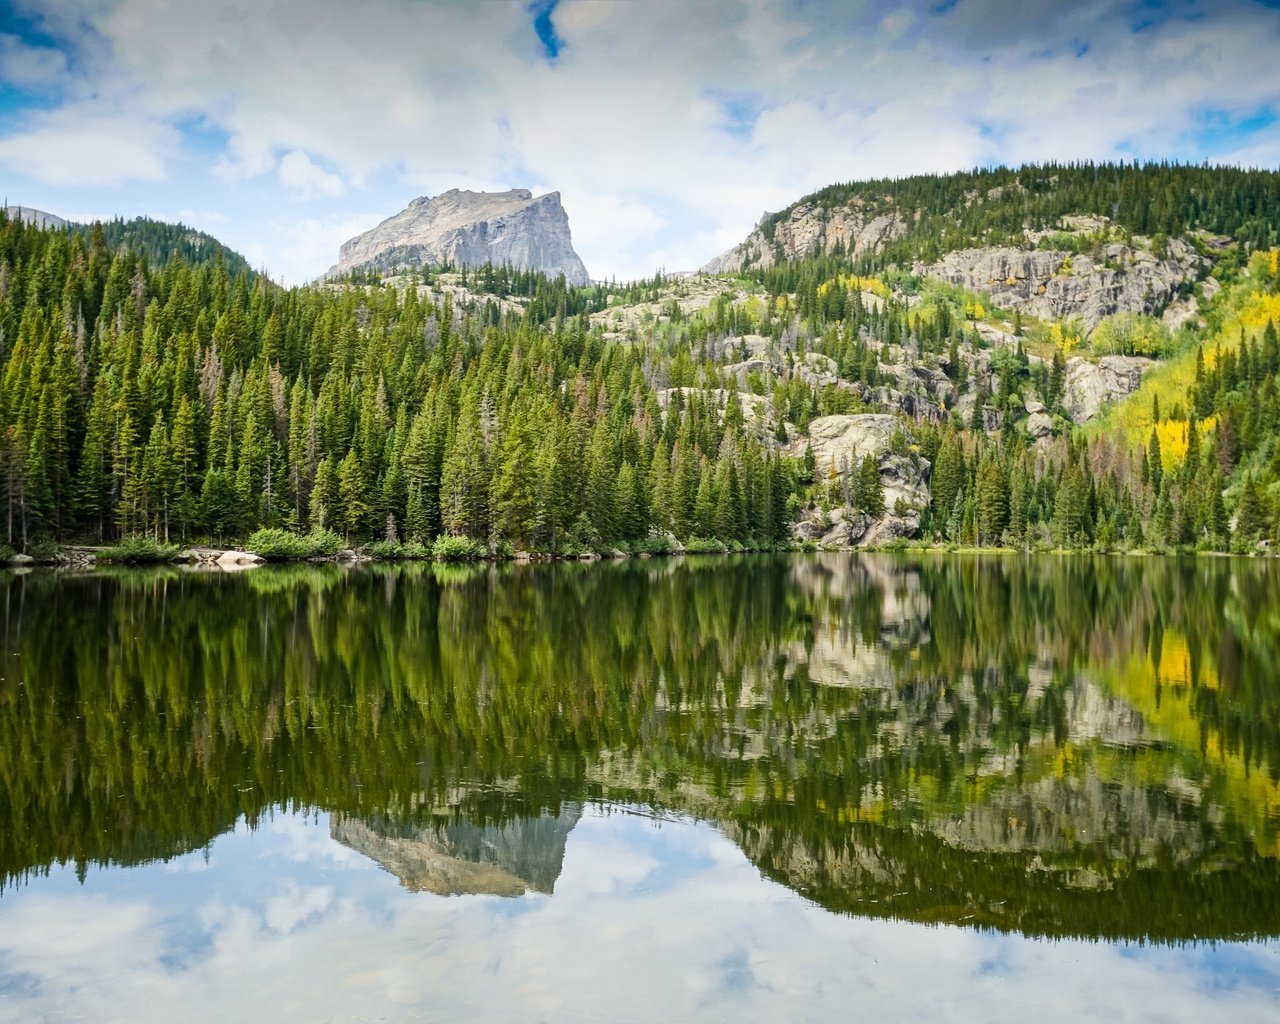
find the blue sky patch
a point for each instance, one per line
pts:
(542, 10)
(739, 110)
(1216, 130)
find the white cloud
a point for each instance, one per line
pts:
(304, 249)
(305, 178)
(88, 145)
(287, 910)
(29, 67)
(323, 101)
(646, 924)
(197, 218)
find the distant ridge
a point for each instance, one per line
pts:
(160, 241)
(38, 218)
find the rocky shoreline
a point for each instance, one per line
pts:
(208, 559)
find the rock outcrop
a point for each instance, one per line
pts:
(470, 229)
(1088, 385)
(807, 228)
(842, 442)
(1055, 285)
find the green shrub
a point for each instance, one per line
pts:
(504, 549)
(43, 551)
(138, 550)
(449, 548)
(703, 545)
(278, 545)
(655, 544)
(323, 543)
(282, 546)
(390, 550)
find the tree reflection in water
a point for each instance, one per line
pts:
(1057, 746)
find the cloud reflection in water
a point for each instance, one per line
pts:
(651, 920)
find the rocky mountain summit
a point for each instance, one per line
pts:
(470, 229)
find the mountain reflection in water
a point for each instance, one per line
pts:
(1053, 746)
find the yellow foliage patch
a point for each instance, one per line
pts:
(1171, 381)
(1261, 308)
(1173, 439)
(1066, 337)
(855, 283)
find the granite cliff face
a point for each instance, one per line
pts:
(840, 443)
(471, 229)
(1050, 284)
(811, 227)
(1058, 286)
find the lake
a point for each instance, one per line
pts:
(887, 787)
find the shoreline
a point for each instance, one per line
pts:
(234, 559)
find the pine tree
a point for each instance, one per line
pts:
(871, 489)
(1155, 460)
(993, 501)
(516, 483)
(353, 508)
(1069, 508)
(1250, 514)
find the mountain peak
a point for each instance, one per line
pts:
(471, 229)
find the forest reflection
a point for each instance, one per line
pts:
(1058, 746)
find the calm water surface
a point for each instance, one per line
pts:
(801, 788)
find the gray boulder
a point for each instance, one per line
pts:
(1039, 425)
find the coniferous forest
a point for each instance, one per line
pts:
(151, 389)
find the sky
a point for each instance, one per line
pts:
(668, 126)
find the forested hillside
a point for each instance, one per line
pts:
(166, 393)
(161, 242)
(999, 205)
(186, 402)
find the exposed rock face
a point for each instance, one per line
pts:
(471, 229)
(458, 858)
(1088, 385)
(843, 442)
(1039, 425)
(809, 227)
(1052, 285)
(37, 218)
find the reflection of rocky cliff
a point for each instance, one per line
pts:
(452, 859)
